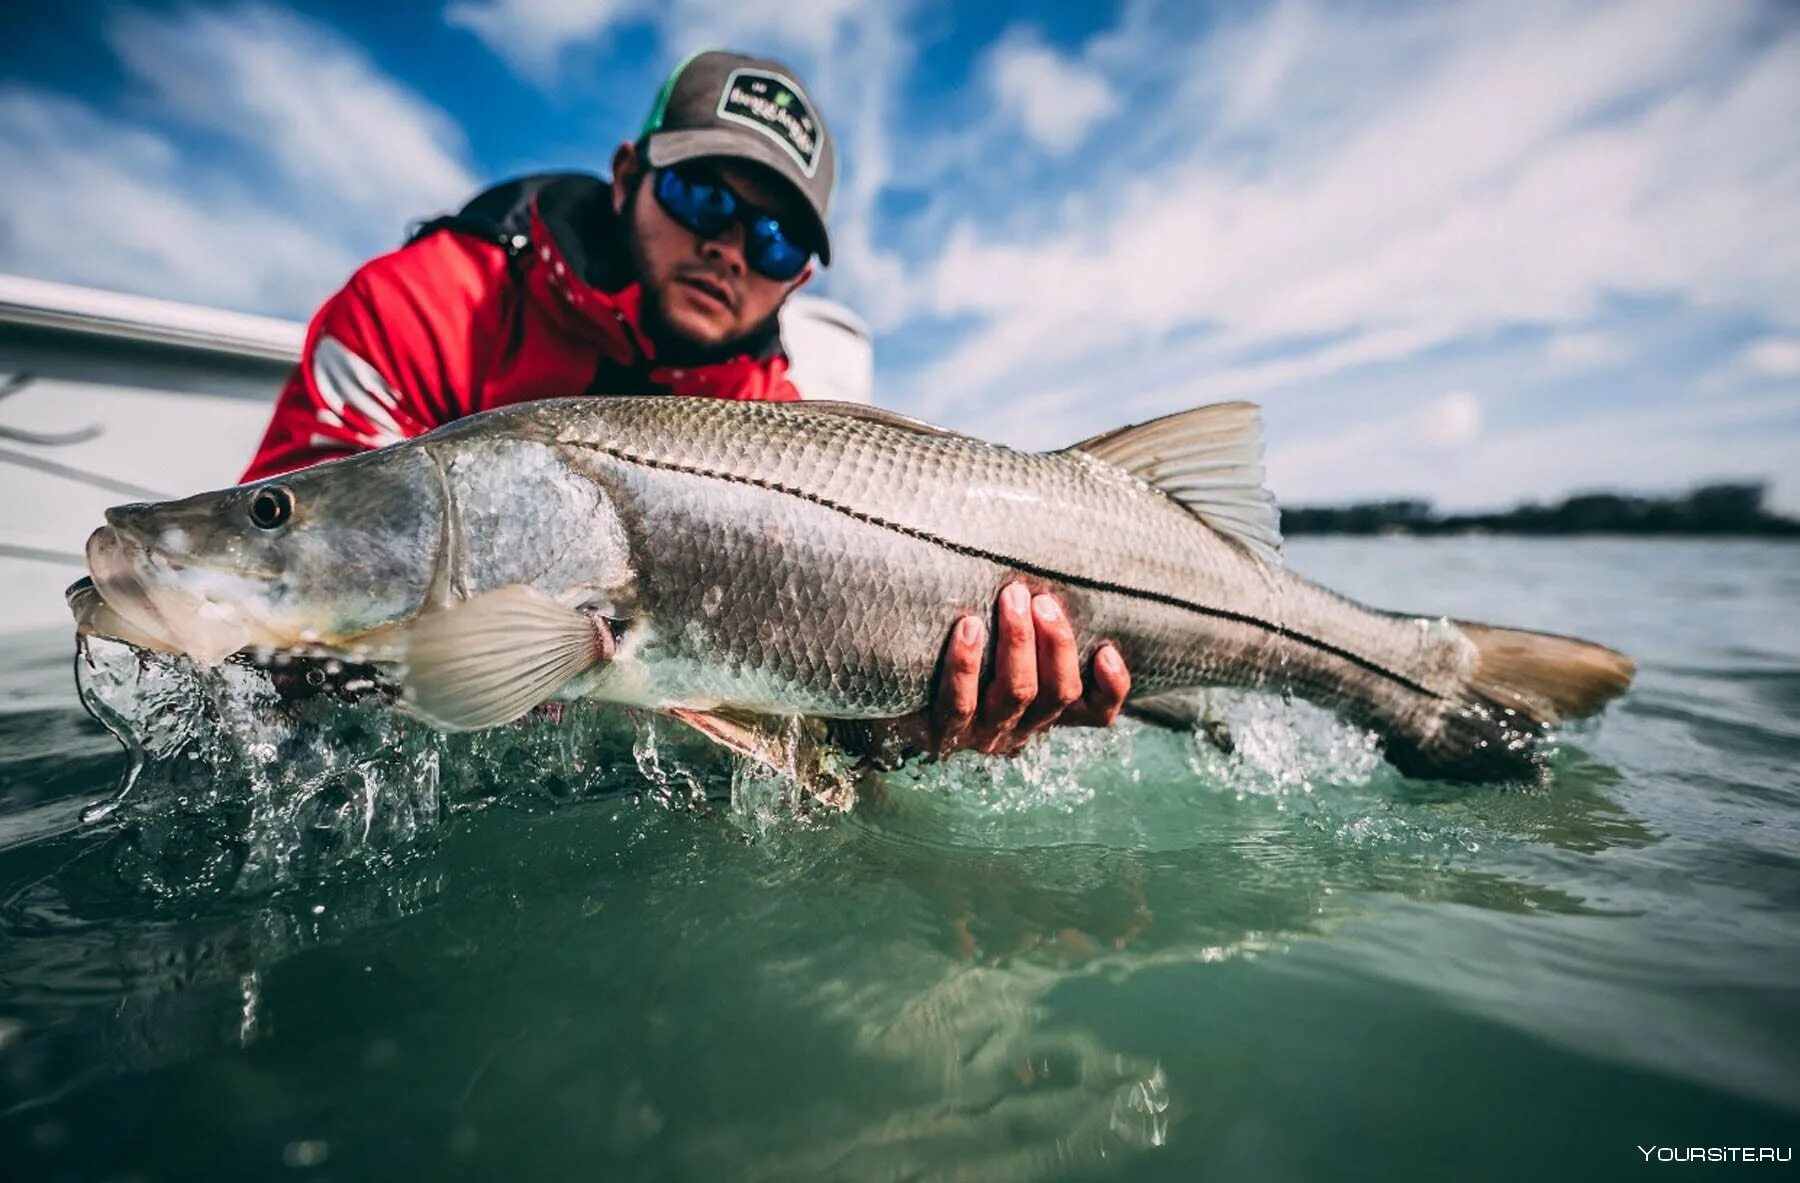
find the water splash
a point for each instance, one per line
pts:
(247, 778)
(671, 784)
(1283, 747)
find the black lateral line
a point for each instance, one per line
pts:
(975, 552)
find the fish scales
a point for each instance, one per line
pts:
(842, 535)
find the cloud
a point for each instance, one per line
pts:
(313, 106)
(1585, 348)
(1360, 210)
(328, 159)
(1772, 357)
(1451, 421)
(1056, 100)
(90, 200)
(810, 31)
(1516, 165)
(531, 35)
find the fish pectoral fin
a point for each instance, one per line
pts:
(798, 748)
(1209, 460)
(489, 660)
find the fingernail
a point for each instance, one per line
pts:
(1015, 597)
(1109, 660)
(968, 630)
(1047, 608)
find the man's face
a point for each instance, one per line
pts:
(702, 290)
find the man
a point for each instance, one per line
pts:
(665, 280)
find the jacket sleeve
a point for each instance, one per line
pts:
(389, 357)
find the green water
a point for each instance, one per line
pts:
(334, 947)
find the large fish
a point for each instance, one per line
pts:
(727, 561)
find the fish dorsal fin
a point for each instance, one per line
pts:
(863, 411)
(489, 660)
(1210, 460)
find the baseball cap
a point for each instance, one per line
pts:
(718, 103)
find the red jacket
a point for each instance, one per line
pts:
(469, 316)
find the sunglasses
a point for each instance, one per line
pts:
(708, 208)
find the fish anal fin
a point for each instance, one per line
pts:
(490, 659)
(802, 752)
(1185, 710)
(1208, 459)
(752, 738)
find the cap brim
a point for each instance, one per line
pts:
(672, 147)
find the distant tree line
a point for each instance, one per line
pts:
(1722, 509)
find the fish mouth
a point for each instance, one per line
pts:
(137, 594)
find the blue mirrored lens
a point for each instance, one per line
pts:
(771, 252)
(704, 208)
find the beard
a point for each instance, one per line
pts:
(674, 345)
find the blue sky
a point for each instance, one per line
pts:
(1480, 252)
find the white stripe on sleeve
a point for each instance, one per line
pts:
(345, 379)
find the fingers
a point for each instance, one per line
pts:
(1014, 685)
(1058, 666)
(1036, 679)
(959, 685)
(1106, 692)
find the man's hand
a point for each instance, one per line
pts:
(1036, 682)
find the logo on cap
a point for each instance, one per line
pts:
(774, 106)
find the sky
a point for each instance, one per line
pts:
(1480, 252)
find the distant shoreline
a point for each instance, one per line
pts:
(1710, 511)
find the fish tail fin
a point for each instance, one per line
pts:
(1551, 676)
(1521, 685)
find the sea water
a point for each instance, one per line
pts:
(313, 940)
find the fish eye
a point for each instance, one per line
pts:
(271, 508)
